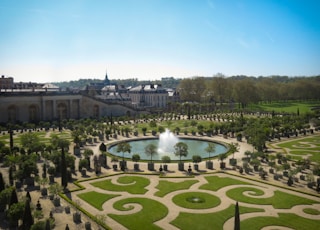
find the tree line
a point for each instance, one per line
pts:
(245, 90)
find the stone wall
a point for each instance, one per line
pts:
(44, 107)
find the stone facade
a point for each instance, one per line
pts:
(6, 82)
(148, 96)
(48, 106)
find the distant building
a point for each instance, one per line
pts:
(148, 96)
(6, 82)
(98, 86)
(32, 102)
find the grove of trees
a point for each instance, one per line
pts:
(245, 90)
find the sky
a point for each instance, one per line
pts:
(62, 40)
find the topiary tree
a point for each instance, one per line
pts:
(27, 219)
(196, 159)
(150, 150)
(181, 150)
(83, 163)
(165, 160)
(87, 154)
(136, 158)
(144, 130)
(5, 198)
(2, 184)
(103, 147)
(15, 213)
(123, 147)
(221, 158)
(210, 149)
(13, 197)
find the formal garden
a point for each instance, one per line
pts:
(153, 202)
(62, 175)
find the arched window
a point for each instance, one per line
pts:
(33, 113)
(12, 113)
(62, 111)
(96, 111)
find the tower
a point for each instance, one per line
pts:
(106, 79)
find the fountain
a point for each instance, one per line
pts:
(165, 146)
(167, 141)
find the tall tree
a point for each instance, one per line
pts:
(245, 92)
(13, 198)
(219, 85)
(211, 148)
(28, 196)
(48, 227)
(87, 154)
(30, 141)
(64, 179)
(150, 150)
(2, 184)
(181, 150)
(233, 148)
(62, 144)
(27, 219)
(192, 89)
(237, 217)
(124, 147)
(11, 139)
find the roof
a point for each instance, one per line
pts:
(148, 88)
(50, 86)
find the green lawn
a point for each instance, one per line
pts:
(209, 220)
(145, 211)
(151, 211)
(286, 107)
(96, 199)
(285, 219)
(42, 135)
(166, 187)
(130, 184)
(215, 182)
(196, 200)
(303, 147)
(278, 200)
(311, 211)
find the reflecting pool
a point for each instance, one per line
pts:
(165, 147)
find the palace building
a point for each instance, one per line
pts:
(32, 102)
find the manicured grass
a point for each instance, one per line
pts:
(166, 187)
(209, 220)
(42, 135)
(130, 184)
(286, 107)
(96, 199)
(314, 156)
(311, 211)
(151, 211)
(196, 200)
(215, 182)
(311, 143)
(303, 147)
(285, 219)
(278, 200)
(181, 124)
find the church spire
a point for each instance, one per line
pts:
(106, 79)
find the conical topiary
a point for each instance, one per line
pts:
(27, 220)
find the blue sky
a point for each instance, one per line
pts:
(47, 41)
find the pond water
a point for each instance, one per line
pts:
(165, 147)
